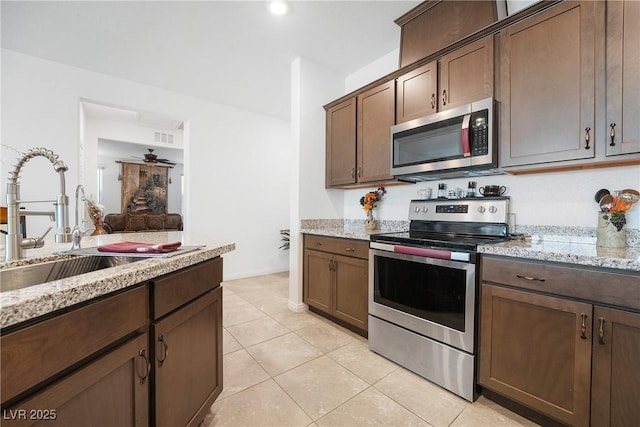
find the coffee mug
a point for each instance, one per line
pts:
(493, 190)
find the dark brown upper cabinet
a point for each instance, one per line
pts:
(547, 86)
(358, 150)
(623, 77)
(460, 77)
(434, 25)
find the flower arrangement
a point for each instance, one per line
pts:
(369, 200)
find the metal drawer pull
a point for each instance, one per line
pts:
(350, 249)
(444, 97)
(165, 350)
(144, 377)
(601, 331)
(536, 279)
(587, 137)
(612, 134)
(583, 326)
(433, 101)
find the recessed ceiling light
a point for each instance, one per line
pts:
(278, 7)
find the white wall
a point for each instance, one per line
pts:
(379, 68)
(236, 162)
(312, 86)
(560, 198)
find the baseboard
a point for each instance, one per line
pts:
(297, 307)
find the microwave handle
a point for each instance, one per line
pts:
(465, 136)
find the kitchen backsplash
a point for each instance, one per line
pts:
(564, 199)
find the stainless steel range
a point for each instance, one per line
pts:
(423, 288)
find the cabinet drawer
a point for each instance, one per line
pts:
(175, 290)
(622, 290)
(34, 354)
(336, 245)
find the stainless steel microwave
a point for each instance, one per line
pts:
(456, 142)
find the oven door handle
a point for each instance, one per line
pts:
(422, 252)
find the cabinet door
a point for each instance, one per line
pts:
(616, 371)
(466, 74)
(547, 86)
(318, 280)
(535, 350)
(351, 290)
(623, 76)
(341, 143)
(188, 361)
(376, 115)
(111, 391)
(416, 93)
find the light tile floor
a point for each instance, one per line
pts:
(298, 369)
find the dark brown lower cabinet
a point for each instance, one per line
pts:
(532, 351)
(188, 361)
(615, 395)
(150, 355)
(111, 391)
(548, 342)
(336, 273)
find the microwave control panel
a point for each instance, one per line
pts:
(479, 133)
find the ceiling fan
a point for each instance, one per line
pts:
(151, 159)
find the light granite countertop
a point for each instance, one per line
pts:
(570, 245)
(20, 305)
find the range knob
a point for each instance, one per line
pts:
(425, 209)
(493, 209)
(417, 209)
(481, 209)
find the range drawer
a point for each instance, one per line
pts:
(605, 287)
(177, 289)
(339, 246)
(40, 351)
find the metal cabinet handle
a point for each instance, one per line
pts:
(433, 101)
(359, 171)
(583, 326)
(143, 355)
(587, 137)
(332, 265)
(601, 331)
(612, 134)
(444, 97)
(353, 172)
(348, 249)
(531, 278)
(165, 350)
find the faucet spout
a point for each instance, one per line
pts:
(14, 243)
(76, 233)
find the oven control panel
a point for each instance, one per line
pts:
(493, 210)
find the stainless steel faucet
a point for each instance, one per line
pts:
(14, 242)
(76, 233)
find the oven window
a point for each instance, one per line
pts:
(432, 292)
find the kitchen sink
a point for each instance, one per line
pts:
(35, 274)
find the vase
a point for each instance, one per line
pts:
(608, 235)
(99, 229)
(370, 224)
